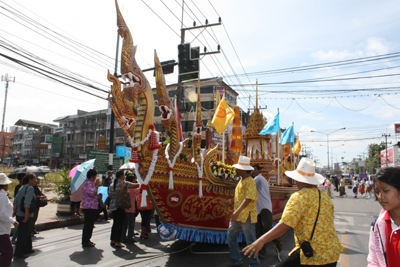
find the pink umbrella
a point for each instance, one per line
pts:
(73, 171)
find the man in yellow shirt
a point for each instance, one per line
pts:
(244, 216)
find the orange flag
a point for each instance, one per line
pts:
(223, 116)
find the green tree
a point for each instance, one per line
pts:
(373, 162)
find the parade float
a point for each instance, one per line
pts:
(187, 186)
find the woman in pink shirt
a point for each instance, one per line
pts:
(89, 206)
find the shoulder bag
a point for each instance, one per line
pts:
(32, 207)
(123, 197)
(306, 245)
(41, 202)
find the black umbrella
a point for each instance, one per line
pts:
(38, 171)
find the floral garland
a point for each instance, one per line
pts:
(172, 164)
(223, 171)
(144, 183)
(133, 144)
(200, 173)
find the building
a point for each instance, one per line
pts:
(5, 146)
(85, 131)
(31, 143)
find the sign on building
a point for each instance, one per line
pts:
(101, 163)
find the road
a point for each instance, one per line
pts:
(61, 247)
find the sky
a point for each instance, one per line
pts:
(325, 65)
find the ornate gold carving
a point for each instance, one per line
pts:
(205, 208)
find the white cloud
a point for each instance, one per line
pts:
(377, 46)
(333, 55)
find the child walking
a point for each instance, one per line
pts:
(384, 242)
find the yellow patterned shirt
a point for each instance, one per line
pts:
(246, 188)
(300, 214)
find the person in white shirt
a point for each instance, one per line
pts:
(6, 220)
(355, 186)
(264, 208)
(367, 189)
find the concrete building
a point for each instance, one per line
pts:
(84, 131)
(6, 146)
(31, 142)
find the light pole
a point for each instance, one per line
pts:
(327, 141)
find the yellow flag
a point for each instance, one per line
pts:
(297, 147)
(223, 116)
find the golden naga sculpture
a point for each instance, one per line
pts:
(136, 101)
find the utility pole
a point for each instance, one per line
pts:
(188, 59)
(7, 80)
(386, 136)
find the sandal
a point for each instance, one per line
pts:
(112, 243)
(119, 245)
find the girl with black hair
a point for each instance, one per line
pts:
(384, 242)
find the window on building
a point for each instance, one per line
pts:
(172, 93)
(207, 89)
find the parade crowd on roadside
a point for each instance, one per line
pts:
(309, 212)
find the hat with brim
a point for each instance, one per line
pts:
(305, 173)
(4, 179)
(243, 164)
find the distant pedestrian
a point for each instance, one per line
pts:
(6, 220)
(384, 242)
(89, 206)
(24, 216)
(328, 185)
(361, 187)
(264, 208)
(367, 189)
(337, 183)
(244, 216)
(76, 199)
(355, 186)
(102, 209)
(342, 187)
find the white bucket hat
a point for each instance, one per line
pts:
(4, 179)
(243, 164)
(305, 173)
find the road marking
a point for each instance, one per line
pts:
(353, 231)
(345, 257)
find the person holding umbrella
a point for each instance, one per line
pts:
(89, 206)
(6, 219)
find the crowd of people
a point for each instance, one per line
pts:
(308, 212)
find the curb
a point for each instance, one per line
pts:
(56, 224)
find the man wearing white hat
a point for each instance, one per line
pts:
(6, 220)
(244, 216)
(310, 214)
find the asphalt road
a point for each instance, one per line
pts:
(61, 247)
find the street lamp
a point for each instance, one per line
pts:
(327, 141)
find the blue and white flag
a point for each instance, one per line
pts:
(288, 136)
(272, 126)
